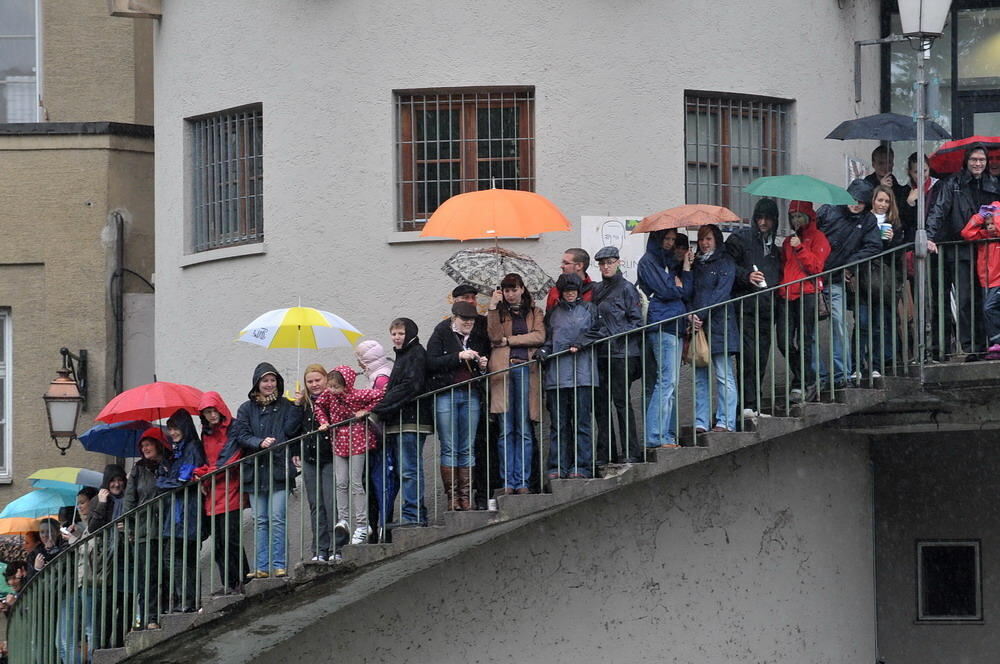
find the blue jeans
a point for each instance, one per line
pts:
(661, 415)
(841, 334)
(570, 449)
(991, 315)
(384, 479)
(876, 319)
(76, 622)
(515, 443)
(726, 395)
(457, 419)
(410, 448)
(269, 533)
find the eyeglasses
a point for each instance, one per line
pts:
(570, 262)
(607, 261)
(977, 160)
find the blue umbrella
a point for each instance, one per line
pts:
(120, 439)
(40, 502)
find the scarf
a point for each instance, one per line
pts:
(265, 400)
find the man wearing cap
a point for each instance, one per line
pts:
(956, 198)
(758, 266)
(485, 473)
(853, 236)
(619, 309)
(574, 261)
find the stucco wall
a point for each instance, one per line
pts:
(57, 193)
(761, 556)
(609, 82)
(935, 486)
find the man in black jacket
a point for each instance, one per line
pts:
(854, 236)
(758, 266)
(956, 199)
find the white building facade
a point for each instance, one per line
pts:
(300, 144)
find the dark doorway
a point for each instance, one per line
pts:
(978, 113)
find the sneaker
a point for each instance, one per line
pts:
(153, 625)
(795, 395)
(876, 374)
(749, 413)
(280, 572)
(257, 575)
(360, 535)
(319, 559)
(342, 530)
(337, 556)
(993, 352)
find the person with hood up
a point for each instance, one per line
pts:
(340, 402)
(956, 198)
(314, 455)
(455, 355)
(182, 525)
(109, 504)
(224, 497)
(266, 420)
(714, 276)
(619, 310)
(983, 227)
(382, 471)
(517, 329)
(142, 488)
(804, 254)
(758, 266)
(854, 236)
(406, 419)
(570, 327)
(668, 284)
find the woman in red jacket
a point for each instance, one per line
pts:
(803, 255)
(984, 226)
(223, 496)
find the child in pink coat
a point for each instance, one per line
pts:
(342, 401)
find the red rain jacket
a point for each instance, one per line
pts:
(225, 495)
(987, 253)
(806, 259)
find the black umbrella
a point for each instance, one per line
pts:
(887, 127)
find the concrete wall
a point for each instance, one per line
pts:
(760, 556)
(935, 486)
(56, 259)
(609, 82)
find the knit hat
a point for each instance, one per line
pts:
(861, 190)
(767, 208)
(372, 355)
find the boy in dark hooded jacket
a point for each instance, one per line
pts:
(407, 420)
(266, 419)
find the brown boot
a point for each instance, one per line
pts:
(449, 476)
(464, 488)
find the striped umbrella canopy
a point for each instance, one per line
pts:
(300, 327)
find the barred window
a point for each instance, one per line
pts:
(949, 581)
(227, 178)
(6, 398)
(18, 61)
(450, 142)
(731, 140)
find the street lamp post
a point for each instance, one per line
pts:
(922, 21)
(65, 398)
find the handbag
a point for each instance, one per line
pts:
(823, 305)
(698, 354)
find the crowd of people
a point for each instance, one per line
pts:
(359, 447)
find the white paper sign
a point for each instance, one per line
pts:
(597, 232)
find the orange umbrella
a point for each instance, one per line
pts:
(495, 213)
(686, 215)
(18, 525)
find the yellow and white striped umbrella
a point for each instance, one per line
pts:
(300, 327)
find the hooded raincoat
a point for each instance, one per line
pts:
(186, 455)
(567, 325)
(257, 419)
(224, 491)
(657, 274)
(142, 488)
(713, 284)
(331, 408)
(400, 409)
(806, 259)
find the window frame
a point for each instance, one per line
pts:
(468, 101)
(976, 545)
(38, 114)
(775, 152)
(7, 372)
(207, 215)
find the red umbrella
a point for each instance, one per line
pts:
(151, 402)
(949, 157)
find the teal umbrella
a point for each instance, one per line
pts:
(40, 502)
(800, 188)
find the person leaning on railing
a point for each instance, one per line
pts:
(266, 419)
(146, 555)
(805, 254)
(316, 462)
(517, 329)
(983, 226)
(114, 586)
(382, 471)
(407, 419)
(956, 198)
(668, 283)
